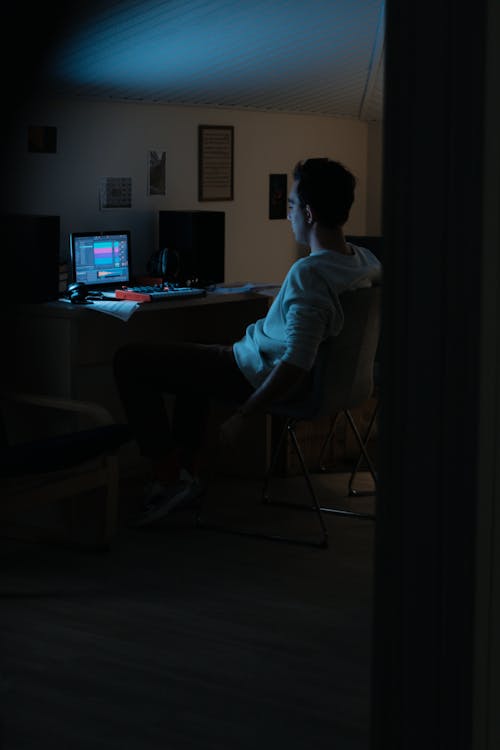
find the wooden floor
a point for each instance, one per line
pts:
(189, 638)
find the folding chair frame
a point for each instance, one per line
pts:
(290, 427)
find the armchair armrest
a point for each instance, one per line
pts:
(99, 414)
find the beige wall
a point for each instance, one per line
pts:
(374, 179)
(112, 139)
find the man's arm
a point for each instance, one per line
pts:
(281, 381)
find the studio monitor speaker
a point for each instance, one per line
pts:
(31, 257)
(196, 245)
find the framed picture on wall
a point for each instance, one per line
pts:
(215, 162)
(42, 140)
(115, 192)
(278, 196)
(157, 159)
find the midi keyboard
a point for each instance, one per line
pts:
(158, 293)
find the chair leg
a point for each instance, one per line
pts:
(362, 442)
(362, 454)
(352, 492)
(315, 506)
(273, 462)
(290, 426)
(344, 511)
(326, 442)
(323, 541)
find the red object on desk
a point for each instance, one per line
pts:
(134, 296)
(158, 295)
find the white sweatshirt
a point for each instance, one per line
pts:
(305, 311)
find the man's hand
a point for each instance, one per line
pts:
(282, 379)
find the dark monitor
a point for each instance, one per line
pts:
(101, 259)
(195, 241)
(375, 243)
(31, 245)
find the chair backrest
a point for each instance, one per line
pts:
(346, 373)
(342, 376)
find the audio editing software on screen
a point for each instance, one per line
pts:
(101, 259)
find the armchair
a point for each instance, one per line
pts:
(58, 467)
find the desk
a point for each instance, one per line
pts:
(67, 350)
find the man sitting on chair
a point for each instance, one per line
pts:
(269, 363)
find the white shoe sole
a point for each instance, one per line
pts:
(163, 508)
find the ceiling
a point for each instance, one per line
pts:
(305, 56)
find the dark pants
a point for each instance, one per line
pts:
(195, 374)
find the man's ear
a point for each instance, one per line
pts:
(310, 218)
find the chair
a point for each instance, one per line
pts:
(59, 466)
(352, 490)
(342, 379)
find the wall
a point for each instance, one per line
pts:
(112, 139)
(374, 179)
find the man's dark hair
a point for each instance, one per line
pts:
(328, 187)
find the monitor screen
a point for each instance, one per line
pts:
(101, 259)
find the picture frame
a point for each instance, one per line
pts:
(157, 159)
(278, 196)
(42, 139)
(215, 163)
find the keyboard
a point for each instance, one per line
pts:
(158, 293)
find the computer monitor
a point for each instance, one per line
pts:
(101, 259)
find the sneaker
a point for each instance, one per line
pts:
(160, 498)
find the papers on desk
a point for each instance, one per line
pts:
(121, 309)
(268, 289)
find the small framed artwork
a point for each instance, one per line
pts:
(157, 160)
(115, 192)
(42, 139)
(215, 162)
(278, 196)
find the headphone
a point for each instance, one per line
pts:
(165, 264)
(77, 293)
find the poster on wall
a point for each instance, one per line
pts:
(157, 182)
(42, 139)
(278, 196)
(215, 162)
(115, 192)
